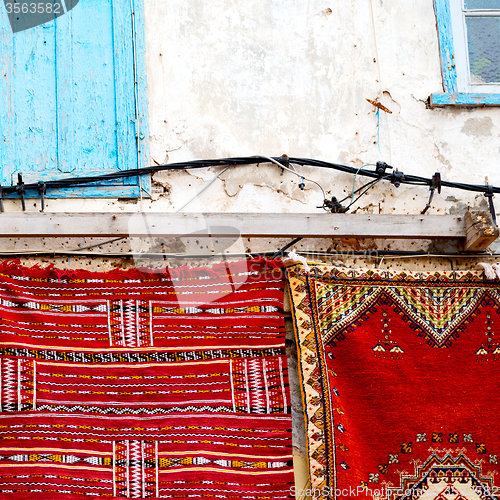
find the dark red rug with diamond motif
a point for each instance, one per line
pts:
(401, 377)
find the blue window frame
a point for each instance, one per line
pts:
(73, 99)
(469, 41)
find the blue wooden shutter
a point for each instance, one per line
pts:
(68, 98)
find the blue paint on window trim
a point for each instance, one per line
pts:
(446, 47)
(464, 99)
(451, 96)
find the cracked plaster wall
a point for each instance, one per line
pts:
(272, 77)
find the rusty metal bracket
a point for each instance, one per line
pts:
(20, 190)
(435, 184)
(489, 194)
(42, 189)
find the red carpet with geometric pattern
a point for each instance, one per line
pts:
(138, 384)
(401, 380)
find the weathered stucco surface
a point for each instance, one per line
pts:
(273, 77)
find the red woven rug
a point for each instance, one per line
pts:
(144, 385)
(401, 380)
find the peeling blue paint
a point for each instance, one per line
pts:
(443, 17)
(451, 95)
(67, 105)
(464, 99)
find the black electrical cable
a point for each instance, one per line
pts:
(74, 181)
(358, 190)
(369, 186)
(288, 245)
(97, 244)
(394, 253)
(363, 193)
(408, 179)
(251, 160)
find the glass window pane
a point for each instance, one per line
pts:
(482, 4)
(483, 38)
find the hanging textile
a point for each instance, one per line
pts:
(144, 384)
(401, 375)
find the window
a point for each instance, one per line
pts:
(70, 105)
(469, 39)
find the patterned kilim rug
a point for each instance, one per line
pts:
(401, 382)
(144, 385)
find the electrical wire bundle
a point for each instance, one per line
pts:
(396, 177)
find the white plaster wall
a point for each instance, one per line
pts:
(268, 77)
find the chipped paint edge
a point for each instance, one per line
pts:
(464, 99)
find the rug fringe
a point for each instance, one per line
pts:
(489, 270)
(258, 264)
(293, 256)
